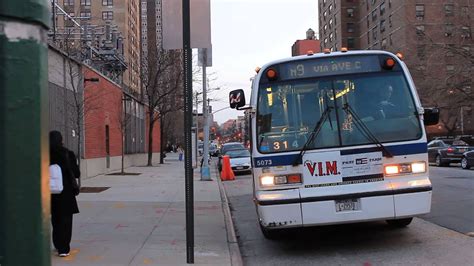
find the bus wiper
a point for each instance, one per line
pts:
(366, 131)
(313, 135)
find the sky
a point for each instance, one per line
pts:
(250, 33)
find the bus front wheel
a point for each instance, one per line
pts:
(400, 222)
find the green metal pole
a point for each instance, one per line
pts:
(24, 156)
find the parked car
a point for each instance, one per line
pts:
(442, 152)
(239, 160)
(224, 148)
(467, 160)
(231, 146)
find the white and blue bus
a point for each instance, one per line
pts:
(337, 137)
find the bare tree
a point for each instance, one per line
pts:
(123, 120)
(162, 77)
(81, 105)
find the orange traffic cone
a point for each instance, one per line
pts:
(226, 173)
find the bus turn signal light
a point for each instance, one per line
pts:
(293, 179)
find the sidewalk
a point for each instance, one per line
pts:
(140, 220)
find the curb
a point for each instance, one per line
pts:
(234, 250)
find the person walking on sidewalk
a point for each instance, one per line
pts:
(180, 153)
(63, 205)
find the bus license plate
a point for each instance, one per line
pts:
(347, 205)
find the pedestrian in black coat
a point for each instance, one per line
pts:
(63, 205)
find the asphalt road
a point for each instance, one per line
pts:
(452, 204)
(372, 243)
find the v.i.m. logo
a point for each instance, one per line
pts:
(326, 168)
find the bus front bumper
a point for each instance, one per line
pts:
(282, 209)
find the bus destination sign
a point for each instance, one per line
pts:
(330, 66)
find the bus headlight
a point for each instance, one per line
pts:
(271, 180)
(267, 180)
(405, 168)
(418, 167)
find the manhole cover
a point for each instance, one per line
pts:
(93, 189)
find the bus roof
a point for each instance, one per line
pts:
(325, 55)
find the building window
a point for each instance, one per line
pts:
(465, 10)
(350, 27)
(330, 23)
(448, 30)
(107, 15)
(390, 21)
(325, 14)
(107, 2)
(325, 40)
(368, 37)
(325, 28)
(449, 9)
(389, 3)
(67, 17)
(324, 2)
(350, 43)
(368, 22)
(382, 25)
(420, 11)
(382, 8)
(331, 37)
(330, 9)
(374, 33)
(384, 44)
(85, 2)
(449, 68)
(420, 30)
(465, 32)
(350, 12)
(374, 14)
(86, 15)
(68, 2)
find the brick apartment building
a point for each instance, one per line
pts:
(435, 37)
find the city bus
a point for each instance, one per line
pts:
(337, 137)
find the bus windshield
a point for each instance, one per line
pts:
(288, 111)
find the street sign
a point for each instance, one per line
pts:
(172, 14)
(205, 56)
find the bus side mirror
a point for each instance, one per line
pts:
(236, 99)
(431, 116)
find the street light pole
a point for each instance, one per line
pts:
(205, 172)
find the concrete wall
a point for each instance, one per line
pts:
(98, 166)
